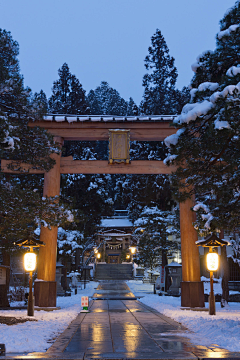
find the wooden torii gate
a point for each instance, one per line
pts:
(93, 128)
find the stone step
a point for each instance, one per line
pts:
(114, 271)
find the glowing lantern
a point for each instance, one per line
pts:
(132, 249)
(212, 261)
(30, 261)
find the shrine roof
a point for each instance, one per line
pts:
(116, 223)
(105, 118)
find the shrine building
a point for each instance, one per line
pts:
(115, 238)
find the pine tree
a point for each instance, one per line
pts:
(154, 227)
(22, 207)
(206, 146)
(132, 108)
(95, 107)
(105, 100)
(91, 200)
(68, 94)
(40, 103)
(159, 82)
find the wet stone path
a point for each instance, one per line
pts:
(119, 328)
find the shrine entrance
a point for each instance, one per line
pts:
(114, 259)
(119, 131)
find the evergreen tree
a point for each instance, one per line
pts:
(22, 207)
(132, 108)
(68, 94)
(105, 100)
(206, 147)
(40, 103)
(91, 200)
(159, 82)
(154, 227)
(95, 107)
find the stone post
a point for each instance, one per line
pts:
(45, 290)
(192, 293)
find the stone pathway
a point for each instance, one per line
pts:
(126, 329)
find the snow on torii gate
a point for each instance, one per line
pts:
(93, 128)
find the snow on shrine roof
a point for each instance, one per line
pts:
(105, 118)
(116, 223)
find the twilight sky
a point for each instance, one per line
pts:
(108, 39)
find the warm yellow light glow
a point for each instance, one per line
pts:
(98, 255)
(128, 256)
(212, 261)
(30, 261)
(132, 249)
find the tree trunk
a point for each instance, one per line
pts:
(226, 275)
(77, 259)
(164, 258)
(4, 288)
(64, 277)
(225, 278)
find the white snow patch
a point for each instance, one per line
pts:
(191, 112)
(208, 86)
(227, 32)
(38, 336)
(173, 139)
(233, 71)
(219, 125)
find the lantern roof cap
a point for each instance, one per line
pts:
(212, 240)
(29, 243)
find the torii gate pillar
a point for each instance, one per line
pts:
(192, 293)
(45, 289)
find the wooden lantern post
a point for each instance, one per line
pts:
(30, 266)
(212, 241)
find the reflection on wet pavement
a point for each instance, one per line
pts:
(129, 329)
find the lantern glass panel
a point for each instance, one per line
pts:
(30, 261)
(212, 261)
(132, 249)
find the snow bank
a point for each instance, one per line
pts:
(204, 329)
(39, 336)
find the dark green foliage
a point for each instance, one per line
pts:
(68, 94)
(91, 200)
(132, 108)
(22, 208)
(160, 95)
(153, 228)
(159, 82)
(207, 151)
(40, 102)
(105, 100)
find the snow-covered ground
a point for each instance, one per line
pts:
(39, 336)
(223, 329)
